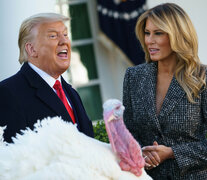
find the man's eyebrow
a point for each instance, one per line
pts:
(53, 30)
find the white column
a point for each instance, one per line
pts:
(12, 13)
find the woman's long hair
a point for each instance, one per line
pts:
(173, 20)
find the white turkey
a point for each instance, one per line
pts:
(56, 150)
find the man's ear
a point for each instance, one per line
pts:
(30, 50)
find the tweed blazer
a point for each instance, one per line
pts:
(180, 124)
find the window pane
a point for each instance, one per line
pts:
(83, 64)
(80, 26)
(92, 102)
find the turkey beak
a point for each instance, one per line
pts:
(112, 117)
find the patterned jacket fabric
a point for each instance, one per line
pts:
(180, 124)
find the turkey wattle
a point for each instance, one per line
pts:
(122, 142)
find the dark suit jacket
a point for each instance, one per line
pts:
(26, 97)
(180, 124)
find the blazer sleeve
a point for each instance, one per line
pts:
(10, 114)
(193, 155)
(128, 115)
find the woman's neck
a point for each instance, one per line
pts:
(167, 66)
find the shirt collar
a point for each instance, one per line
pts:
(48, 79)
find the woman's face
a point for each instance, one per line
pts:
(157, 43)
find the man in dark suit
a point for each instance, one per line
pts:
(30, 94)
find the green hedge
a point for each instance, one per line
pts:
(100, 131)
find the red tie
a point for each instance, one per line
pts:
(57, 86)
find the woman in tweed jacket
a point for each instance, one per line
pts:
(166, 98)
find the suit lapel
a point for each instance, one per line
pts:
(149, 93)
(172, 98)
(53, 101)
(149, 89)
(44, 92)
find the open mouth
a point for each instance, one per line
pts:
(63, 54)
(153, 50)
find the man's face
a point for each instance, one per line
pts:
(52, 48)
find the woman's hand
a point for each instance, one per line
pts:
(151, 159)
(156, 154)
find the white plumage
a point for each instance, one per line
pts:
(56, 150)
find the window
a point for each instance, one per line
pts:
(83, 73)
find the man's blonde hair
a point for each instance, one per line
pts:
(25, 32)
(173, 20)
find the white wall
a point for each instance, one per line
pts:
(197, 10)
(12, 13)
